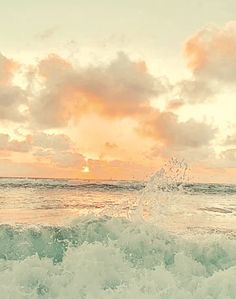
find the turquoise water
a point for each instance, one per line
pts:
(77, 239)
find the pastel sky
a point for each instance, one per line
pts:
(113, 89)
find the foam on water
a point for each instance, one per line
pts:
(113, 258)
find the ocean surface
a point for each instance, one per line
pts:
(117, 239)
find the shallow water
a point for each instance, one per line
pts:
(88, 239)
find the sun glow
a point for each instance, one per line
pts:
(85, 169)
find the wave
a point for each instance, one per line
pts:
(111, 257)
(72, 184)
(113, 186)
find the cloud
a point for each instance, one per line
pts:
(57, 142)
(211, 53)
(229, 154)
(58, 149)
(174, 104)
(122, 88)
(51, 107)
(55, 149)
(7, 69)
(228, 157)
(191, 155)
(119, 89)
(19, 146)
(211, 56)
(169, 131)
(48, 33)
(230, 140)
(56, 152)
(68, 159)
(4, 139)
(194, 91)
(63, 159)
(13, 145)
(35, 169)
(11, 97)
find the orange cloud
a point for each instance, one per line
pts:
(211, 56)
(121, 88)
(7, 69)
(211, 52)
(195, 52)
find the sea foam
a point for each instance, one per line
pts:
(110, 257)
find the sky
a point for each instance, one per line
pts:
(114, 89)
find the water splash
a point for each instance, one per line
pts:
(161, 191)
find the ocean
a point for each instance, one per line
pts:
(163, 239)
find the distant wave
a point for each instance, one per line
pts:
(110, 185)
(71, 184)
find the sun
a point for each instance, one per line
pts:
(85, 169)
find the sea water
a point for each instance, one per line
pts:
(117, 239)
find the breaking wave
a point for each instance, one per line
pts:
(113, 258)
